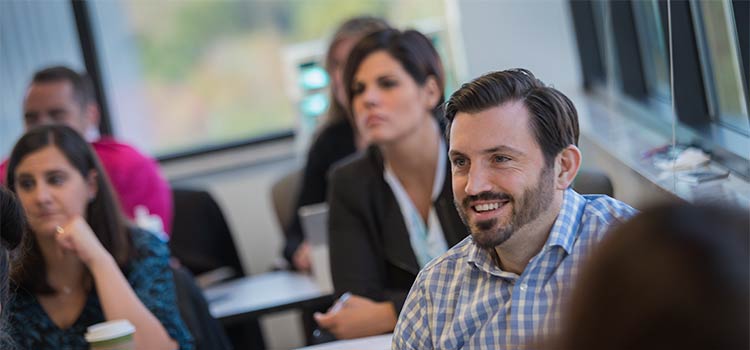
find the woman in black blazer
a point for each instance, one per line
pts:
(335, 140)
(391, 208)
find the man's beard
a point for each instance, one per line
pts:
(534, 201)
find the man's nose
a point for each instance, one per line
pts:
(477, 181)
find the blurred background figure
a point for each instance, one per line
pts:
(12, 227)
(674, 277)
(81, 263)
(336, 139)
(391, 207)
(59, 95)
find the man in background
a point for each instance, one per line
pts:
(61, 95)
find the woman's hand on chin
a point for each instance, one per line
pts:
(77, 237)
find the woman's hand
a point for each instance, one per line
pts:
(301, 258)
(358, 317)
(77, 237)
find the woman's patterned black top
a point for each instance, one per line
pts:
(148, 274)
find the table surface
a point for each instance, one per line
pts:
(255, 295)
(378, 342)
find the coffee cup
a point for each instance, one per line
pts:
(111, 335)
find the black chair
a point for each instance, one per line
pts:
(202, 243)
(201, 239)
(207, 332)
(284, 194)
(593, 181)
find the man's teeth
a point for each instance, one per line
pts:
(486, 207)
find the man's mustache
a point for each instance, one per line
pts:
(486, 196)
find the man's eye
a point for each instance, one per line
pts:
(31, 119)
(500, 159)
(388, 83)
(57, 115)
(459, 162)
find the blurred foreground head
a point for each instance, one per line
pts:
(12, 227)
(674, 277)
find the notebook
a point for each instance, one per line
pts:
(314, 219)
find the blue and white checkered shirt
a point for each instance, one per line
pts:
(463, 299)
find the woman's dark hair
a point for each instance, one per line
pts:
(353, 28)
(553, 117)
(674, 277)
(103, 213)
(410, 48)
(12, 227)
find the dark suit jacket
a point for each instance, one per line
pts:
(334, 143)
(370, 251)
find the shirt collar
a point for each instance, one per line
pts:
(483, 259)
(563, 234)
(565, 229)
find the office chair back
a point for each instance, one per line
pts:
(284, 194)
(593, 181)
(202, 241)
(201, 238)
(207, 332)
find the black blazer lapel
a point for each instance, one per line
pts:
(454, 229)
(396, 245)
(398, 250)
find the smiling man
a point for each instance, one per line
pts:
(513, 157)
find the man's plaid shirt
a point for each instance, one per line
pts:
(462, 299)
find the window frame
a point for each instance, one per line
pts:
(82, 13)
(694, 122)
(742, 25)
(82, 18)
(715, 113)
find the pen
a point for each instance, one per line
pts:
(340, 302)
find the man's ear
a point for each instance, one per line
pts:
(432, 92)
(567, 164)
(93, 116)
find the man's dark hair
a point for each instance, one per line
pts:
(83, 90)
(553, 118)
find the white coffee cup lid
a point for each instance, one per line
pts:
(109, 330)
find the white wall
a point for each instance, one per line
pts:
(240, 180)
(534, 34)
